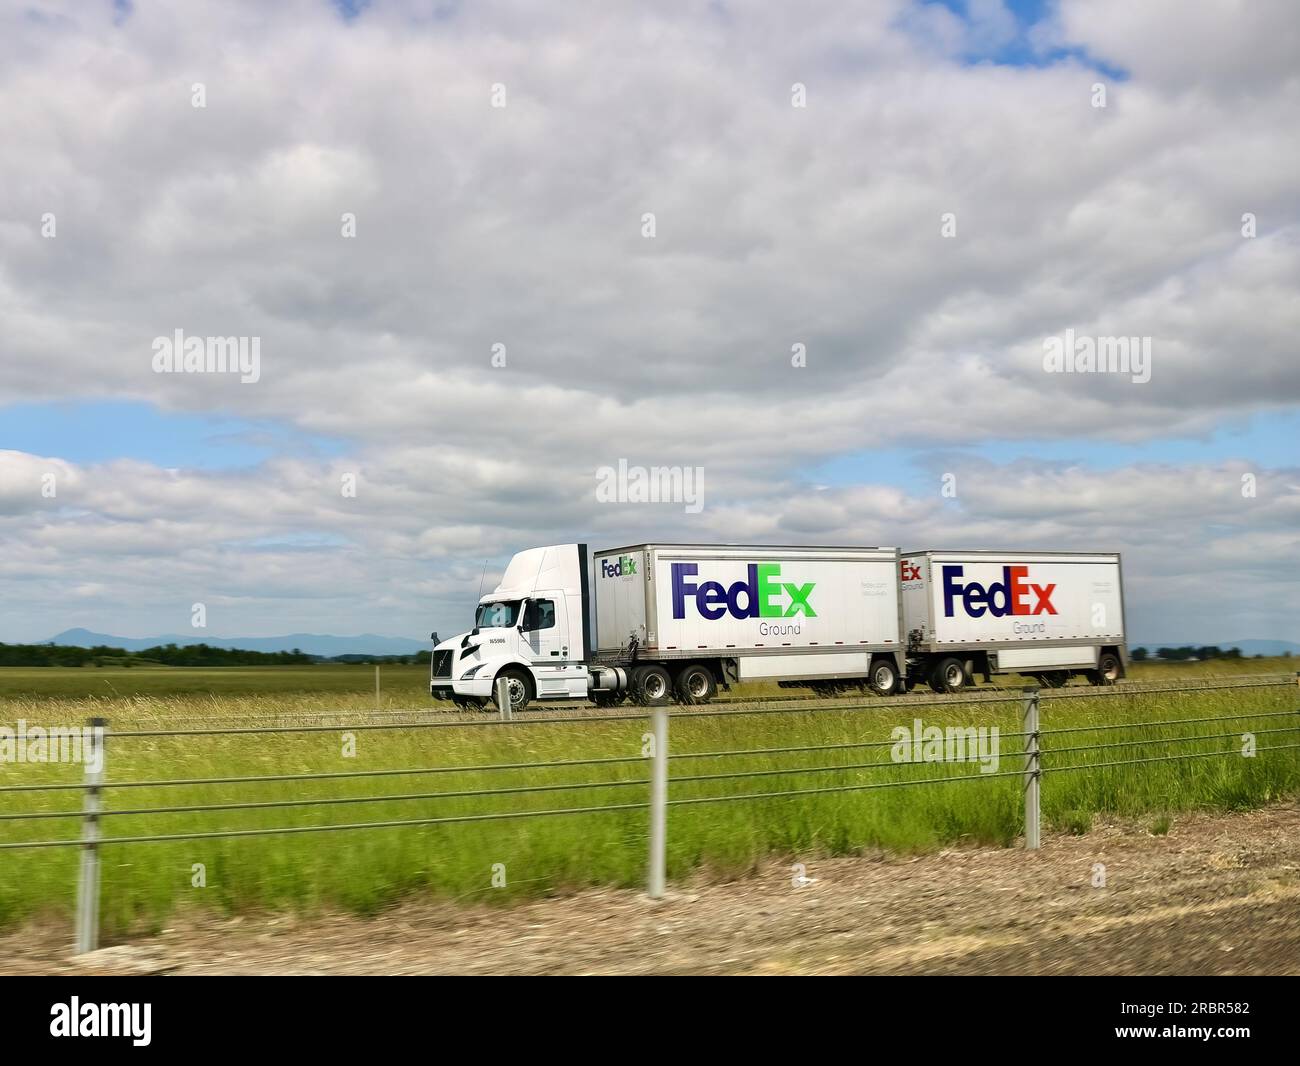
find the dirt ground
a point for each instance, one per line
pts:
(1216, 895)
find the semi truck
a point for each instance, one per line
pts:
(657, 623)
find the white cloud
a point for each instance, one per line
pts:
(522, 225)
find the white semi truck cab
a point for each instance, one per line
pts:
(533, 629)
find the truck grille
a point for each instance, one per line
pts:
(442, 663)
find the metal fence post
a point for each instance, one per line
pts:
(1032, 771)
(503, 699)
(88, 884)
(658, 805)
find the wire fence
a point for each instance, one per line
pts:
(1038, 750)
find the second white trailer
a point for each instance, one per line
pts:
(1049, 615)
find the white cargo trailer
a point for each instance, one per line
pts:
(1049, 615)
(679, 621)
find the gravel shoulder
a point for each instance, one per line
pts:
(1218, 894)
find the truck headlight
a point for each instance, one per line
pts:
(471, 671)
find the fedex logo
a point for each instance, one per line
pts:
(1011, 595)
(713, 600)
(625, 565)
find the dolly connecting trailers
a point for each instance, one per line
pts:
(679, 621)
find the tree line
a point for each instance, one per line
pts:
(164, 655)
(1174, 655)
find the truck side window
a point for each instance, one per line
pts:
(539, 615)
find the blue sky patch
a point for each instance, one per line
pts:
(101, 431)
(1018, 49)
(1267, 441)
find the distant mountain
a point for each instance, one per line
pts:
(312, 643)
(1248, 647)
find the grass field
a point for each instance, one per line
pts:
(408, 684)
(365, 870)
(405, 686)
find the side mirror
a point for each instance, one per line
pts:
(434, 637)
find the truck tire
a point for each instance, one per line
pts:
(695, 684)
(1109, 670)
(948, 675)
(884, 677)
(518, 684)
(651, 686)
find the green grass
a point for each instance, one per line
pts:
(402, 685)
(407, 686)
(366, 870)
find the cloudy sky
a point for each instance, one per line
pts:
(651, 226)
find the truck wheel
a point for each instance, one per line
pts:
(948, 675)
(695, 684)
(884, 678)
(519, 686)
(1109, 670)
(651, 686)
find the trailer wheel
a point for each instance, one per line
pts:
(695, 684)
(884, 677)
(651, 686)
(948, 675)
(1109, 670)
(519, 686)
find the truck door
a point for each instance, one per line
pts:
(546, 633)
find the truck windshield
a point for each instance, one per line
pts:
(500, 615)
